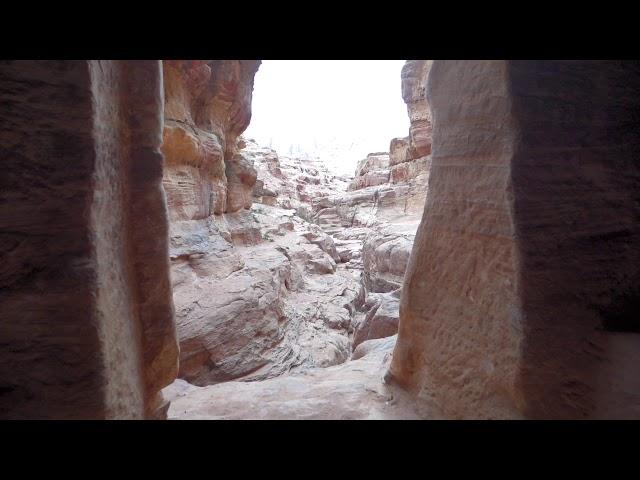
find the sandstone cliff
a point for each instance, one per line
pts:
(207, 106)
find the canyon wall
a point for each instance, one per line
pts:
(518, 296)
(207, 106)
(342, 245)
(86, 316)
(289, 283)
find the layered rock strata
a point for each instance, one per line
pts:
(207, 106)
(415, 74)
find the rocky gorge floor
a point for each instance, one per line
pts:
(353, 390)
(289, 308)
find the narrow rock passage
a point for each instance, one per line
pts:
(311, 283)
(286, 277)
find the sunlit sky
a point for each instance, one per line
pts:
(338, 110)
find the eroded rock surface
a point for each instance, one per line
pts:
(259, 291)
(86, 315)
(207, 106)
(518, 300)
(351, 391)
(528, 246)
(254, 310)
(374, 222)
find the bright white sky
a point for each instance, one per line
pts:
(339, 110)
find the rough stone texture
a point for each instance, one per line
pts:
(291, 182)
(399, 151)
(372, 171)
(518, 296)
(207, 106)
(385, 257)
(374, 222)
(415, 74)
(86, 317)
(254, 311)
(351, 391)
(259, 292)
(381, 319)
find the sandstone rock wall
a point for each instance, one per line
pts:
(86, 317)
(207, 106)
(528, 245)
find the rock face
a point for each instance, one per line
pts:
(85, 299)
(273, 283)
(381, 319)
(415, 74)
(207, 106)
(372, 171)
(290, 283)
(256, 310)
(518, 296)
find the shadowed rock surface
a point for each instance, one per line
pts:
(86, 315)
(528, 243)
